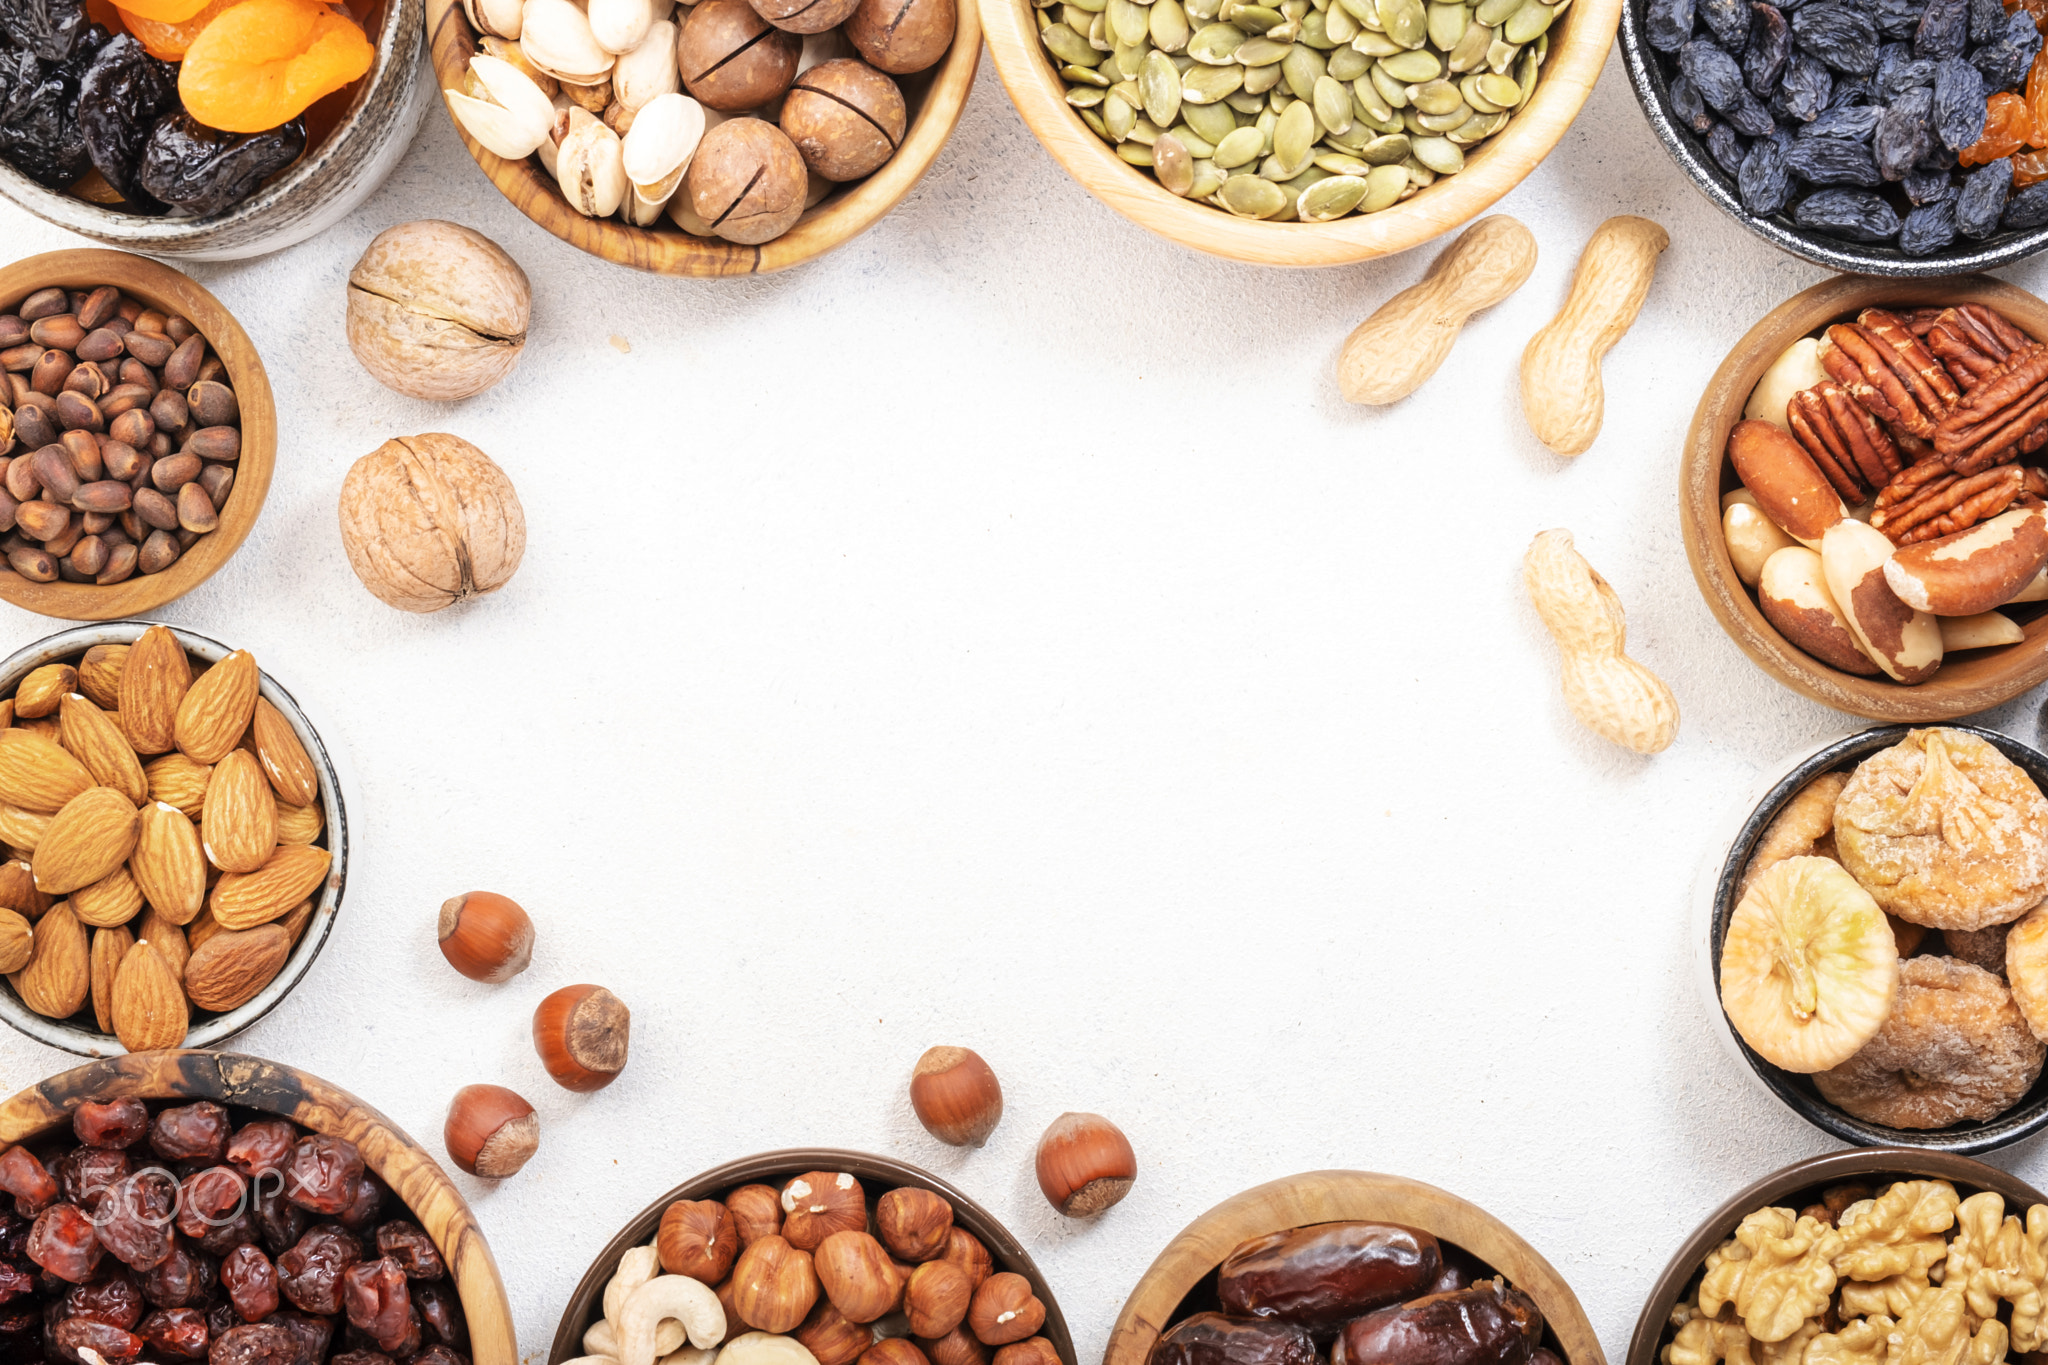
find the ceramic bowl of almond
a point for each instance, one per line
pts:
(1862, 495)
(172, 840)
(814, 1257)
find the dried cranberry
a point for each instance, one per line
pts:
(86, 1173)
(375, 1296)
(135, 1218)
(313, 1335)
(408, 1244)
(255, 1343)
(176, 1332)
(116, 1124)
(63, 1243)
(281, 1222)
(241, 1230)
(322, 1174)
(184, 1279)
(441, 1311)
(28, 1180)
(251, 1283)
(261, 1146)
(192, 1132)
(116, 1302)
(439, 1355)
(111, 1342)
(310, 1273)
(366, 1204)
(209, 1200)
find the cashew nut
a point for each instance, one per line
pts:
(592, 1360)
(762, 1348)
(665, 1299)
(602, 1339)
(690, 1355)
(636, 1267)
(1611, 694)
(1392, 352)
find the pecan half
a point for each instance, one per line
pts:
(2004, 412)
(1886, 369)
(1945, 502)
(1849, 444)
(1971, 341)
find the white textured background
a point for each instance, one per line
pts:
(1000, 633)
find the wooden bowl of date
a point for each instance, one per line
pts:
(162, 288)
(1182, 1281)
(1797, 1186)
(1579, 42)
(935, 98)
(243, 1084)
(1964, 685)
(876, 1173)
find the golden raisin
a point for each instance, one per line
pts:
(2007, 128)
(261, 63)
(2029, 167)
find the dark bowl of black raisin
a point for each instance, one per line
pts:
(1869, 136)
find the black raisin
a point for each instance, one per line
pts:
(2026, 210)
(1856, 214)
(1958, 104)
(1668, 23)
(1842, 37)
(124, 92)
(1851, 92)
(1713, 73)
(1727, 148)
(1944, 30)
(1856, 123)
(1987, 21)
(1898, 70)
(1929, 187)
(1689, 109)
(1904, 134)
(2004, 60)
(1763, 182)
(1728, 21)
(1833, 161)
(1803, 90)
(51, 29)
(1982, 202)
(1896, 18)
(203, 171)
(1928, 228)
(1770, 44)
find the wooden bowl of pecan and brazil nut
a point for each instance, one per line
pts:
(815, 1257)
(1862, 495)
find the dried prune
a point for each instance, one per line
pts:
(322, 1173)
(251, 1283)
(309, 1275)
(28, 1180)
(116, 1301)
(1842, 37)
(1322, 1276)
(177, 1332)
(182, 1279)
(191, 166)
(1856, 214)
(74, 1334)
(375, 1296)
(1958, 104)
(1804, 89)
(2005, 59)
(2026, 210)
(407, 1243)
(1689, 108)
(115, 1124)
(1944, 30)
(1928, 187)
(1763, 182)
(63, 1243)
(1987, 20)
(135, 1218)
(1727, 148)
(1833, 161)
(441, 1312)
(191, 1132)
(254, 1343)
(1905, 134)
(1856, 123)
(209, 1199)
(1770, 45)
(50, 29)
(1668, 23)
(38, 120)
(1216, 1339)
(87, 1173)
(261, 1146)
(122, 95)
(1982, 202)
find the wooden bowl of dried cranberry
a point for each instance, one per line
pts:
(194, 1205)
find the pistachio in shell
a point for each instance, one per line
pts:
(429, 521)
(437, 311)
(902, 36)
(845, 117)
(747, 181)
(732, 58)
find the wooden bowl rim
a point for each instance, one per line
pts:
(236, 1079)
(1578, 51)
(171, 290)
(1203, 1245)
(1956, 690)
(841, 217)
(88, 1042)
(1826, 1169)
(783, 1164)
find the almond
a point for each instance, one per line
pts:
(179, 781)
(202, 928)
(42, 689)
(154, 680)
(168, 938)
(234, 965)
(91, 836)
(243, 900)
(95, 741)
(18, 890)
(295, 923)
(109, 947)
(168, 864)
(58, 975)
(113, 899)
(239, 824)
(46, 726)
(216, 709)
(23, 829)
(298, 824)
(99, 675)
(36, 773)
(285, 763)
(149, 1009)
(6, 713)
(17, 942)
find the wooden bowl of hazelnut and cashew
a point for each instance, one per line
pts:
(728, 137)
(1862, 498)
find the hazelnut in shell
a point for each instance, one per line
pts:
(913, 1224)
(581, 1033)
(819, 1203)
(956, 1096)
(1004, 1310)
(486, 936)
(747, 181)
(756, 1212)
(491, 1132)
(429, 521)
(732, 58)
(845, 117)
(1085, 1165)
(902, 36)
(698, 1239)
(437, 311)
(805, 16)
(774, 1286)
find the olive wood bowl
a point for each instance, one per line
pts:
(1190, 1260)
(79, 1034)
(1797, 1092)
(936, 98)
(586, 1305)
(1578, 48)
(1973, 681)
(238, 1081)
(163, 288)
(1794, 1187)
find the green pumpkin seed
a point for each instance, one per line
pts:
(1201, 11)
(1332, 198)
(1393, 93)
(1208, 84)
(1286, 33)
(1169, 26)
(1444, 123)
(1076, 18)
(1247, 196)
(1447, 24)
(1266, 123)
(1406, 21)
(1525, 75)
(1253, 19)
(1419, 175)
(1341, 163)
(1259, 79)
(1384, 186)
(1470, 53)
(1529, 22)
(1340, 26)
(1211, 122)
(1137, 153)
(1261, 52)
(1439, 154)
(1411, 123)
(1216, 44)
(1469, 88)
(1129, 91)
(1347, 65)
(1294, 138)
(1101, 129)
(1494, 13)
(1128, 21)
(1172, 164)
(1315, 31)
(1159, 88)
(1366, 12)
(1389, 150)
(1081, 75)
(1501, 91)
(1045, 21)
(1198, 147)
(1243, 101)
(1476, 129)
(1501, 55)
(1131, 60)
(1098, 35)
(1393, 123)
(1208, 180)
(1070, 47)
(1413, 68)
(1373, 44)
(1353, 138)
(1333, 105)
(1118, 116)
(1436, 97)
(1301, 68)
(1084, 96)
(1146, 131)
(1240, 148)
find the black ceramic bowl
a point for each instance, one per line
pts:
(2027, 1117)
(1653, 90)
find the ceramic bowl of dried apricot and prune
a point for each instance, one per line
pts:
(1881, 137)
(203, 128)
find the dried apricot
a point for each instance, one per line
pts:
(168, 42)
(2007, 128)
(163, 11)
(263, 62)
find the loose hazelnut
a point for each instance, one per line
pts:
(1085, 1165)
(936, 1298)
(731, 58)
(698, 1239)
(727, 1302)
(957, 1347)
(747, 181)
(1004, 1310)
(857, 1276)
(827, 1335)
(581, 1034)
(437, 311)
(965, 1250)
(902, 36)
(756, 1211)
(774, 1286)
(486, 936)
(845, 117)
(956, 1096)
(819, 1203)
(805, 16)
(491, 1132)
(913, 1224)
(1033, 1351)
(895, 1351)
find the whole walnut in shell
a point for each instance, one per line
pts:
(437, 311)
(429, 521)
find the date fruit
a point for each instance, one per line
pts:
(1324, 1276)
(1488, 1324)
(1215, 1339)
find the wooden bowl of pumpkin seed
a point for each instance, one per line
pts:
(1299, 132)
